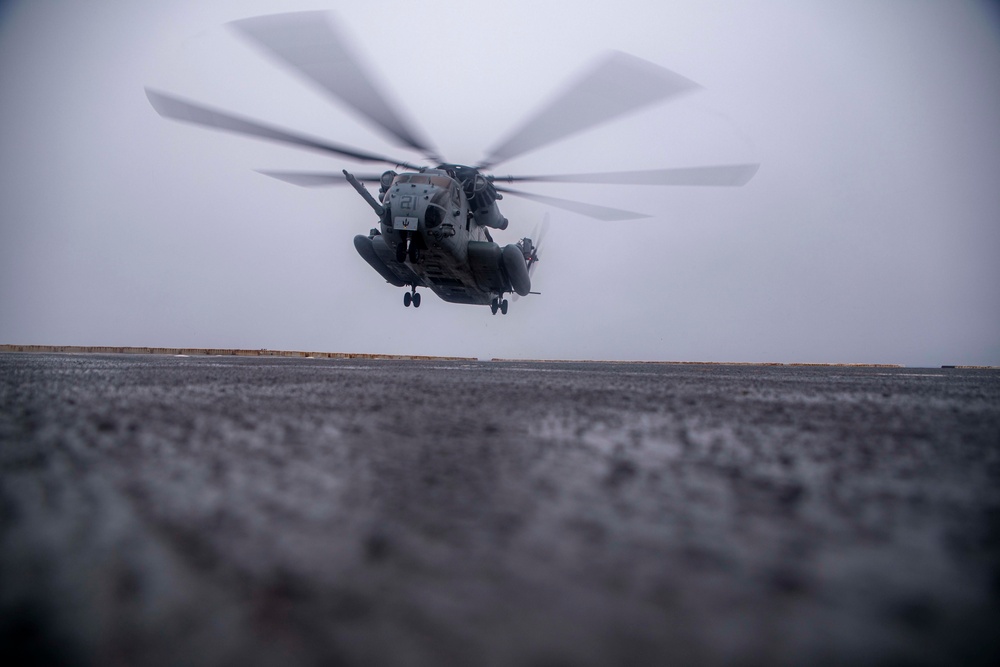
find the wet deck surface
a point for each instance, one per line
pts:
(208, 511)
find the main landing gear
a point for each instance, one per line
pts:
(412, 297)
(498, 304)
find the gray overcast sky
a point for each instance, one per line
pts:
(870, 234)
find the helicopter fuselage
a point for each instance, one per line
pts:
(433, 233)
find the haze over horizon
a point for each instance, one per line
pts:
(870, 233)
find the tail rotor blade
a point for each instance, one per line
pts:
(536, 240)
(618, 84)
(310, 44)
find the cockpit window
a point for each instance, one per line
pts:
(424, 179)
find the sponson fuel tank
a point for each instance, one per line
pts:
(499, 269)
(364, 246)
(516, 269)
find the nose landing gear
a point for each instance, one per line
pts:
(407, 249)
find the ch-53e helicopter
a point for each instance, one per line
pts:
(434, 222)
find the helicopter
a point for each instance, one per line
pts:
(434, 220)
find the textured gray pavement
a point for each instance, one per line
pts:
(224, 511)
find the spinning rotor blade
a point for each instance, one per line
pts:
(616, 85)
(309, 43)
(589, 210)
(189, 112)
(536, 240)
(724, 175)
(308, 179)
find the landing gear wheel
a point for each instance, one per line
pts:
(407, 299)
(416, 299)
(494, 305)
(414, 254)
(503, 306)
(401, 252)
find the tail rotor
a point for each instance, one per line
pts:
(531, 245)
(536, 243)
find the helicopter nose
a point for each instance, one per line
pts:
(406, 223)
